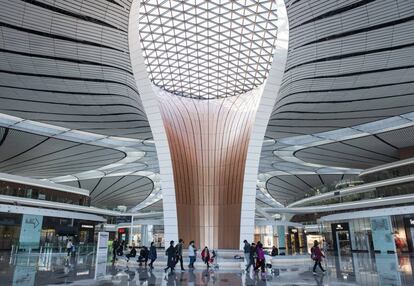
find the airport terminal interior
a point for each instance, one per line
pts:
(187, 142)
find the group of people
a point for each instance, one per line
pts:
(254, 255)
(145, 254)
(174, 254)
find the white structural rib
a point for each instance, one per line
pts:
(267, 101)
(56, 205)
(150, 103)
(368, 213)
(378, 202)
(50, 212)
(384, 167)
(354, 190)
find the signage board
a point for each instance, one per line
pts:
(101, 255)
(30, 231)
(382, 236)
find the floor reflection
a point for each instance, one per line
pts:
(56, 269)
(373, 269)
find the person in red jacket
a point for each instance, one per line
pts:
(316, 255)
(205, 256)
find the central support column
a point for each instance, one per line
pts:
(208, 142)
(209, 185)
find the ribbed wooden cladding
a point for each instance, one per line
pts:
(208, 141)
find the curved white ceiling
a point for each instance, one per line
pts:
(67, 63)
(350, 62)
(39, 156)
(69, 99)
(112, 191)
(350, 69)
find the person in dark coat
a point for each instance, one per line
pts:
(246, 252)
(179, 253)
(152, 255)
(143, 256)
(252, 253)
(275, 251)
(115, 246)
(120, 248)
(316, 255)
(170, 253)
(132, 253)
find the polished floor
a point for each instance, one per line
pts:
(56, 269)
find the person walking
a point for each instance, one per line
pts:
(179, 253)
(205, 256)
(246, 251)
(260, 263)
(192, 254)
(316, 255)
(69, 247)
(115, 246)
(252, 254)
(152, 255)
(170, 253)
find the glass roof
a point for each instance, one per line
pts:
(208, 49)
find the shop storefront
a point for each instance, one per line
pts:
(34, 231)
(266, 235)
(310, 239)
(158, 235)
(295, 239)
(288, 239)
(341, 237)
(142, 234)
(9, 230)
(56, 231)
(379, 234)
(123, 234)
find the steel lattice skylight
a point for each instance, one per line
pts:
(208, 49)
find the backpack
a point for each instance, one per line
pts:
(313, 255)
